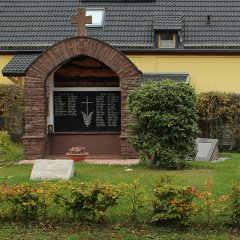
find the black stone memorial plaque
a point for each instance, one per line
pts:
(98, 111)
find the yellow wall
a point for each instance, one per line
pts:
(207, 73)
(4, 60)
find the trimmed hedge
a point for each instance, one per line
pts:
(219, 117)
(170, 204)
(11, 109)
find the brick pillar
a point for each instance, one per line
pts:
(34, 146)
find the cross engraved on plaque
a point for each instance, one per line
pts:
(87, 118)
(81, 19)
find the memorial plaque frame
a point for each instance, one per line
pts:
(96, 112)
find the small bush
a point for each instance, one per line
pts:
(22, 201)
(164, 125)
(9, 150)
(136, 198)
(210, 207)
(87, 201)
(235, 204)
(172, 204)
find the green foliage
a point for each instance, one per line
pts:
(210, 206)
(12, 106)
(46, 194)
(9, 150)
(164, 123)
(87, 201)
(137, 199)
(22, 201)
(219, 116)
(235, 204)
(172, 204)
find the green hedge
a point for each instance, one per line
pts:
(219, 117)
(11, 109)
(9, 151)
(84, 202)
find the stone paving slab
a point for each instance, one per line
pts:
(98, 161)
(52, 169)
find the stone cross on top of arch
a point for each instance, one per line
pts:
(81, 19)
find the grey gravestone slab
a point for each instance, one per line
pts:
(207, 149)
(52, 169)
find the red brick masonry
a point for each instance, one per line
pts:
(35, 138)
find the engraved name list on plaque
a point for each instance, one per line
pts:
(98, 111)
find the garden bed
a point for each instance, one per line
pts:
(118, 223)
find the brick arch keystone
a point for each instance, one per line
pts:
(35, 137)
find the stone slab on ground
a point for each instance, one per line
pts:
(52, 169)
(207, 149)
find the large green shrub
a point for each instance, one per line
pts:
(11, 108)
(219, 117)
(164, 123)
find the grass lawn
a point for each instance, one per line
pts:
(222, 174)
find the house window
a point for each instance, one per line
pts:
(166, 40)
(98, 16)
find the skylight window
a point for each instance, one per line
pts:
(97, 17)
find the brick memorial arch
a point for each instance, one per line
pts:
(36, 140)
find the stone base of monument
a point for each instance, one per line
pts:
(45, 169)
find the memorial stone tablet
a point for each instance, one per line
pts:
(76, 111)
(207, 149)
(52, 169)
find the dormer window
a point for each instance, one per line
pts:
(166, 40)
(98, 15)
(167, 30)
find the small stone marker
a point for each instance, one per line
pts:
(52, 169)
(207, 149)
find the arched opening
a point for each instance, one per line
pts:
(84, 103)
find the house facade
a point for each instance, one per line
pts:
(197, 42)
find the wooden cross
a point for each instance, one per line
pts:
(81, 19)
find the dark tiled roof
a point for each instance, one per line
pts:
(167, 22)
(179, 77)
(19, 64)
(129, 24)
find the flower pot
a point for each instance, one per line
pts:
(77, 157)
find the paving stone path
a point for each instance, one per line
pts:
(99, 161)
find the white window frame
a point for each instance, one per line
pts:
(90, 11)
(167, 42)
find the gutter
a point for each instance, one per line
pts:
(138, 50)
(131, 48)
(21, 51)
(172, 51)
